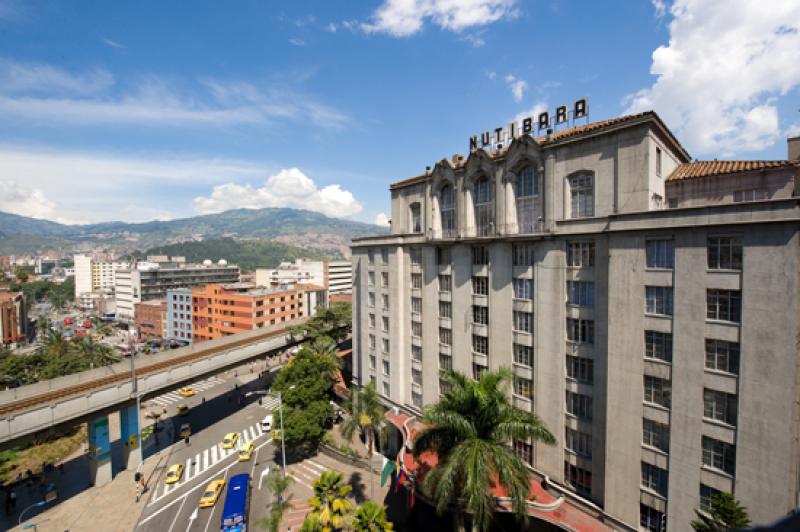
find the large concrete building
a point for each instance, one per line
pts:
(179, 315)
(13, 318)
(94, 276)
(647, 305)
(152, 280)
(336, 276)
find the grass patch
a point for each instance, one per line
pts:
(52, 450)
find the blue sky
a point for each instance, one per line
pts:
(143, 110)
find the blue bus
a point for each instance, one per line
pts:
(237, 503)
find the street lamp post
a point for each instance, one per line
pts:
(283, 436)
(135, 390)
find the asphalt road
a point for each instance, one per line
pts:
(175, 508)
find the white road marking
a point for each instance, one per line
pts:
(177, 514)
(214, 455)
(191, 518)
(316, 465)
(205, 458)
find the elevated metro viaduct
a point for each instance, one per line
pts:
(89, 396)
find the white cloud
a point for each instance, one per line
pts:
(403, 18)
(381, 219)
(295, 41)
(331, 27)
(660, 6)
(288, 188)
(38, 92)
(793, 130)
(533, 112)
(475, 39)
(25, 201)
(113, 44)
(351, 24)
(719, 76)
(517, 86)
(491, 74)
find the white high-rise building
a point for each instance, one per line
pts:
(336, 276)
(94, 275)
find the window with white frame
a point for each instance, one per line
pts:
(522, 254)
(416, 305)
(579, 478)
(385, 301)
(445, 283)
(385, 323)
(725, 253)
(484, 207)
(385, 366)
(445, 362)
(579, 405)
(445, 309)
(480, 255)
(657, 391)
(372, 362)
(371, 299)
(580, 369)
(724, 305)
(444, 386)
(416, 376)
(522, 387)
(581, 190)
(524, 451)
(480, 314)
(522, 321)
(658, 162)
(655, 434)
(372, 321)
(719, 406)
(660, 253)
(371, 338)
(415, 218)
(445, 336)
(447, 206)
(578, 442)
(722, 356)
(707, 493)
(385, 256)
(415, 255)
(384, 279)
(527, 191)
(480, 344)
(416, 352)
(386, 388)
(580, 254)
(523, 355)
(651, 519)
(371, 278)
(416, 281)
(719, 455)
(658, 300)
(580, 331)
(416, 329)
(523, 288)
(580, 293)
(658, 345)
(480, 285)
(416, 399)
(385, 345)
(751, 194)
(371, 256)
(478, 371)
(654, 478)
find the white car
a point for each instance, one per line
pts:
(266, 423)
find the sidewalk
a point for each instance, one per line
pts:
(112, 507)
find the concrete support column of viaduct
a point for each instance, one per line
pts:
(129, 434)
(100, 468)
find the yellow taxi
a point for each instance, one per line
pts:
(230, 439)
(186, 391)
(212, 493)
(174, 474)
(246, 451)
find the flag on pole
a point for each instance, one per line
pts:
(388, 468)
(399, 480)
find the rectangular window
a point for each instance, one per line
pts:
(480, 285)
(523, 321)
(371, 278)
(651, 519)
(416, 353)
(386, 388)
(719, 406)
(522, 387)
(416, 399)
(370, 297)
(724, 305)
(445, 309)
(580, 254)
(725, 253)
(385, 300)
(416, 376)
(371, 341)
(706, 494)
(658, 162)
(579, 405)
(660, 254)
(657, 391)
(385, 344)
(523, 355)
(385, 256)
(478, 371)
(445, 362)
(480, 314)
(719, 455)
(385, 279)
(658, 345)
(371, 256)
(385, 324)
(445, 283)
(415, 254)
(580, 369)
(445, 336)
(443, 256)
(581, 195)
(578, 442)
(480, 255)
(522, 254)
(753, 194)
(580, 479)
(524, 451)
(722, 356)
(416, 281)
(654, 478)
(372, 321)
(416, 328)
(372, 362)
(580, 293)
(659, 300)
(580, 331)
(480, 344)
(655, 434)
(416, 305)
(385, 366)
(444, 386)
(523, 288)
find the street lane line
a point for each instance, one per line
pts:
(205, 459)
(253, 434)
(318, 466)
(214, 455)
(245, 437)
(175, 519)
(211, 513)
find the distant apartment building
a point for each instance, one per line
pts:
(152, 280)
(94, 276)
(336, 276)
(221, 310)
(646, 304)
(151, 319)
(179, 315)
(13, 317)
(45, 266)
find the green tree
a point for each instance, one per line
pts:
(95, 354)
(725, 515)
(22, 274)
(56, 345)
(330, 505)
(329, 324)
(42, 329)
(472, 428)
(371, 517)
(366, 417)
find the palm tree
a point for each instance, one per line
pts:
(371, 517)
(43, 328)
(471, 429)
(367, 416)
(57, 345)
(95, 354)
(726, 513)
(329, 505)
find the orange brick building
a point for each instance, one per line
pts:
(13, 317)
(222, 310)
(151, 317)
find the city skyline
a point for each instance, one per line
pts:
(132, 114)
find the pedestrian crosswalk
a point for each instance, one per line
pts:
(175, 397)
(205, 459)
(270, 403)
(306, 472)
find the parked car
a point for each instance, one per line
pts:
(266, 423)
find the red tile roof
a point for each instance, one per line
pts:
(713, 168)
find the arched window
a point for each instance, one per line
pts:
(415, 218)
(484, 207)
(526, 192)
(447, 206)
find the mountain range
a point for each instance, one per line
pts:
(297, 227)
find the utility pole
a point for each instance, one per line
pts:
(283, 436)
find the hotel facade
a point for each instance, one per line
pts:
(646, 304)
